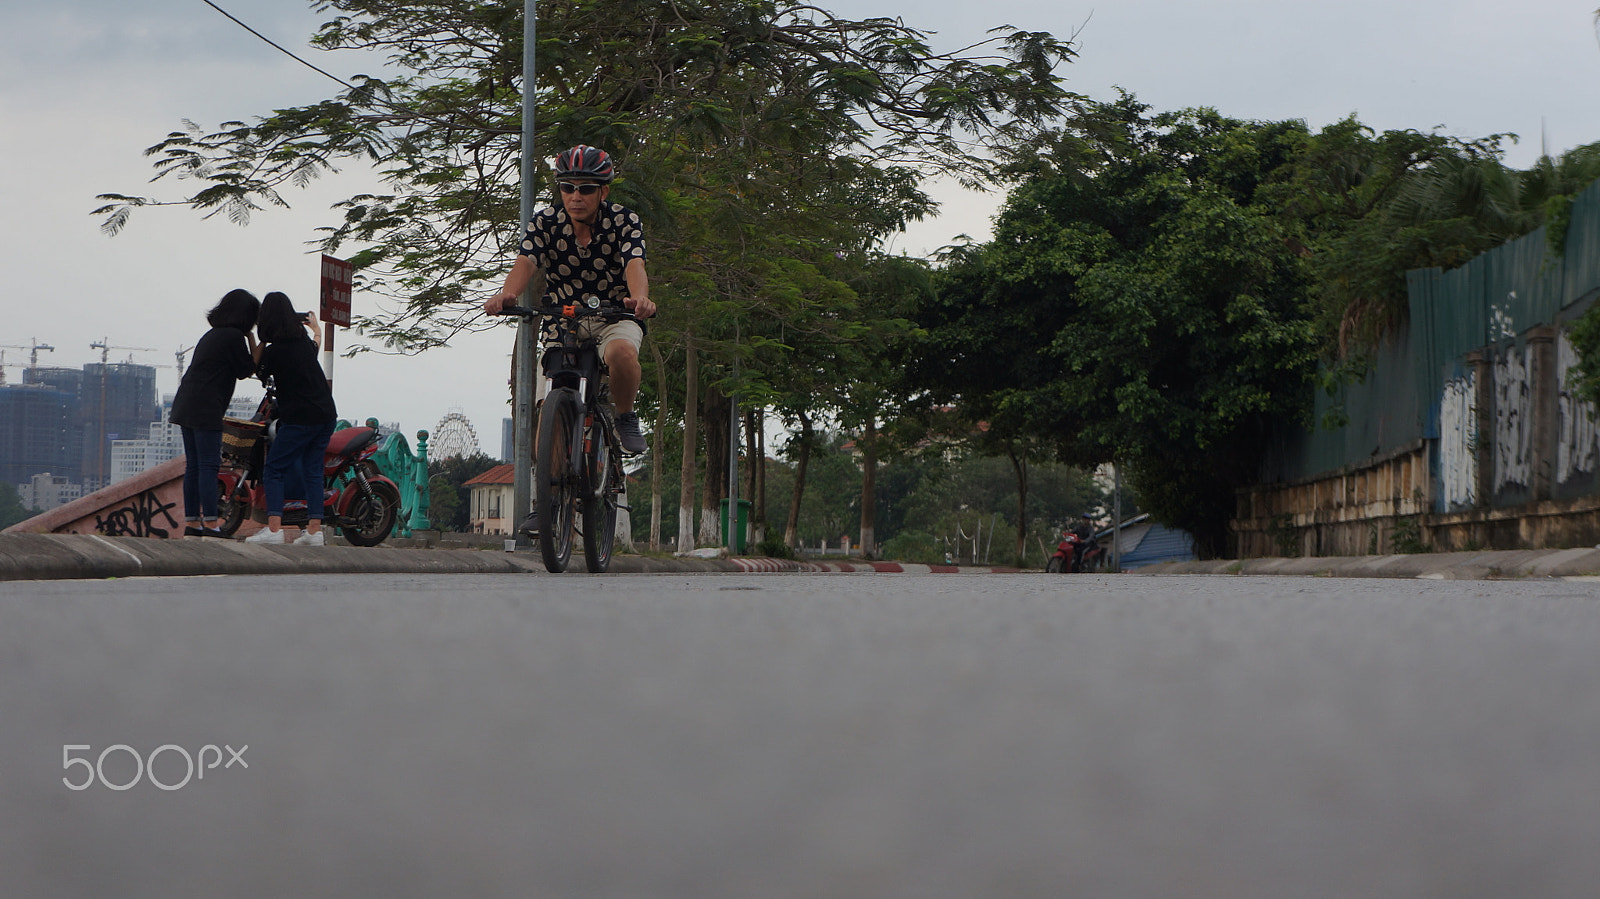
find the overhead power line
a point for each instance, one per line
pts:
(404, 110)
(279, 47)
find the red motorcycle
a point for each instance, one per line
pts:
(1075, 553)
(357, 499)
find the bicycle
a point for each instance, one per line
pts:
(577, 464)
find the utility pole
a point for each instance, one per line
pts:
(527, 331)
(733, 455)
(1116, 518)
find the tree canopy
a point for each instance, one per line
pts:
(745, 131)
(1138, 304)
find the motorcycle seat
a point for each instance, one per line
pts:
(350, 441)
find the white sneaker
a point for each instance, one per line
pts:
(310, 539)
(266, 536)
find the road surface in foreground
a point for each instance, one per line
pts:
(795, 735)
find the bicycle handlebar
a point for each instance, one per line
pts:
(573, 310)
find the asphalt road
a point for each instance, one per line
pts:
(799, 735)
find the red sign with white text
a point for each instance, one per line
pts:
(338, 277)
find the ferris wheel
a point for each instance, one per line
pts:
(454, 437)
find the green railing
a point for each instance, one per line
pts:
(408, 470)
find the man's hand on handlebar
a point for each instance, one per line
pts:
(499, 301)
(643, 307)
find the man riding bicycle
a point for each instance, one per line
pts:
(587, 246)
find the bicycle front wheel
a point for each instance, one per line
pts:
(555, 478)
(599, 498)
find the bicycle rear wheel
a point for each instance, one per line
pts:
(555, 478)
(599, 498)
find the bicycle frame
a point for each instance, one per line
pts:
(587, 472)
(571, 361)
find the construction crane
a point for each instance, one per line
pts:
(106, 348)
(33, 355)
(3, 348)
(182, 354)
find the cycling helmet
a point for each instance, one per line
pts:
(585, 162)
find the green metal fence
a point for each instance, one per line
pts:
(1489, 304)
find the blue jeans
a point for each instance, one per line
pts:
(202, 456)
(294, 467)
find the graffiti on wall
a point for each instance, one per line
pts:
(143, 516)
(1578, 437)
(1513, 416)
(1458, 439)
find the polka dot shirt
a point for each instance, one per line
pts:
(571, 271)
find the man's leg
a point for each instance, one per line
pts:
(623, 360)
(621, 354)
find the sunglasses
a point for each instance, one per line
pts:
(568, 187)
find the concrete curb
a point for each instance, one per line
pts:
(77, 556)
(1484, 565)
(74, 556)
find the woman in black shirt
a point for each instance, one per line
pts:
(222, 358)
(305, 415)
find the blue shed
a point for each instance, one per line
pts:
(1146, 542)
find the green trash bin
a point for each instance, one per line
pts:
(741, 524)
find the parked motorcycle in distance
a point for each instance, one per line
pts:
(1075, 554)
(357, 499)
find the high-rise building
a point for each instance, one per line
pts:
(39, 432)
(131, 457)
(67, 380)
(165, 440)
(63, 420)
(117, 400)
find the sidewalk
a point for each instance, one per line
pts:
(66, 556)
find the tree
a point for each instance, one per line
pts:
(12, 510)
(719, 113)
(1363, 208)
(1139, 303)
(450, 503)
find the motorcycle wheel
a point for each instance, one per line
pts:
(371, 516)
(231, 508)
(1053, 566)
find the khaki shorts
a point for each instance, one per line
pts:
(623, 330)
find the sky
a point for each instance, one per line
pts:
(87, 85)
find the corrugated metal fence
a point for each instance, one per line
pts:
(1475, 383)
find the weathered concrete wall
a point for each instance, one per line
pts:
(1349, 512)
(1514, 467)
(146, 505)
